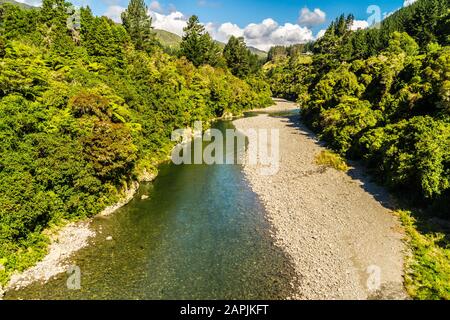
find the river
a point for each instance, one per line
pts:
(201, 234)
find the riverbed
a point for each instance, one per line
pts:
(199, 232)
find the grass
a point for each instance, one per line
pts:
(428, 267)
(331, 160)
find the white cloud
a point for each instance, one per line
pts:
(231, 29)
(408, 2)
(321, 33)
(174, 22)
(359, 24)
(155, 6)
(224, 31)
(261, 30)
(311, 18)
(263, 35)
(291, 34)
(114, 12)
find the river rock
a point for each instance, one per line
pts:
(147, 176)
(109, 238)
(144, 197)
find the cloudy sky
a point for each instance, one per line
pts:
(263, 23)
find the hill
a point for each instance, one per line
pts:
(22, 5)
(168, 39)
(259, 53)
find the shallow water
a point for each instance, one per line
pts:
(202, 234)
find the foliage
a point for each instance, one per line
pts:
(428, 269)
(240, 60)
(382, 95)
(331, 160)
(138, 24)
(197, 45)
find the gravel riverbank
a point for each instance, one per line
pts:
(64, 243)
(343, 239)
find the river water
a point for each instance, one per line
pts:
(202, 234)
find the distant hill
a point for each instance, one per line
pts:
(168, 39)
(259, 53)
(22, 5)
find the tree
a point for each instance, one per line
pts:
(138, 24)
(237, 57)
(2, 47)
(197, 45)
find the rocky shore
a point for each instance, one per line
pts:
(343, 239)
(66, 242)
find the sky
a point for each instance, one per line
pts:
(263, 23)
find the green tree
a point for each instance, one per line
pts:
(2, 47)
(138, 24)
(237, 57)
(197, 45)
(424, 20)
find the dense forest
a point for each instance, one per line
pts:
(86, 110)
(381, 94)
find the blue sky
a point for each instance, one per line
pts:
(262, 23)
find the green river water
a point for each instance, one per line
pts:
(202, 234)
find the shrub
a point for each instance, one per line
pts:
(331, 160)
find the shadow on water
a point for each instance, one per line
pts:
(201, 234)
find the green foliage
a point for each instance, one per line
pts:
(344, 123)
(239, 58)
(428, 269)
(287, 76)
(197, 45)
(138, 24)
(412, 154)
(331, 160)
(383, 95)
(82, 114)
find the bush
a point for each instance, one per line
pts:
(331, 160)
(428, 269)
